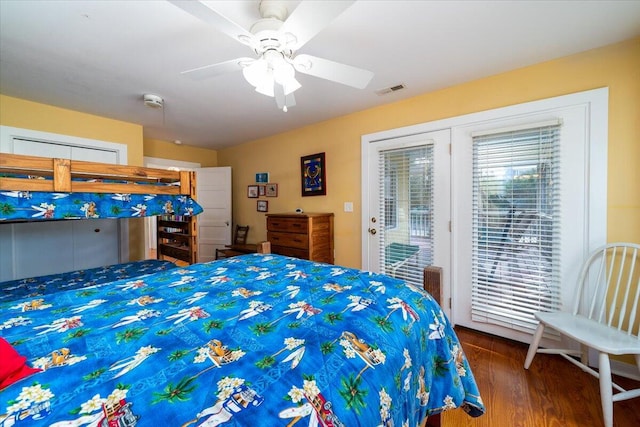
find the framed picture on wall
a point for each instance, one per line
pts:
(261, 190)
(313, 175)
(252, 191)
(262, 206)
(271, 190)
(262, 177)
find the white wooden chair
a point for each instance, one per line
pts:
(604, 317)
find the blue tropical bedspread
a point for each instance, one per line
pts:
(259, 340)
(38, 205)
(42, 285)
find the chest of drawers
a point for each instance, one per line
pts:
(307, 236)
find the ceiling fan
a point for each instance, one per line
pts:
(275, 39)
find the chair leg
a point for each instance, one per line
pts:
(533, 347)
(606, 391)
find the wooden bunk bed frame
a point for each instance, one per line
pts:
(63, 170)
(181, 244)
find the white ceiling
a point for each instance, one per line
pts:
(100, 57)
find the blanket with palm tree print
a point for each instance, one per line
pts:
(260, 340)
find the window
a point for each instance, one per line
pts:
(390, 196)
(406, 245)
(515, 260)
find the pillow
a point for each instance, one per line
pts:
(13, 367)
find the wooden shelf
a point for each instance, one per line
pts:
(177, 238)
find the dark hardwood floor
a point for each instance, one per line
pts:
(552, 393)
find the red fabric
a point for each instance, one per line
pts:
(13, 367)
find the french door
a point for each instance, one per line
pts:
(406, 205)
(509, 220)
(530, 203)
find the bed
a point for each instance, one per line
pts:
(259, 339)
(46, 189)
(41, 188)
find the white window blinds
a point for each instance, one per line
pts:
(515, 261)
(405, 234)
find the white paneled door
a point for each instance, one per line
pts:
(213, 193)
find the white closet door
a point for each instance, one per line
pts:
(42, 248)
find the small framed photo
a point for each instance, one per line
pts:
(252, 191)
(261, 190)
(262, 177)
(271, 190)
(262, 206)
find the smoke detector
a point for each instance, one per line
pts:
(153, 101)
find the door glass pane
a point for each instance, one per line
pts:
(406, 246)
(515, 250)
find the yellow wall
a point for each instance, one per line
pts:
(615, 66)
(19, 113)
(185, 153)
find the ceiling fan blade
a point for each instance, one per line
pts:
(310, 17)
(334, 71)
(213, 17)
(284, 102)
(212, 70)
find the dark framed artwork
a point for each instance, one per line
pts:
(252, 191)
(262, 206)
(262, 177)
(313, 174)
(272, 190)
(261, 189)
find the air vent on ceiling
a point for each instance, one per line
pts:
(387, 90)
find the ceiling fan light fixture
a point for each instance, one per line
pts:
(272, 68)
(284, 74)
(275, 38)
(291, 85)
(266, 87)
(255, 72)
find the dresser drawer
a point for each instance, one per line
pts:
(292, 252)
(290, 225)
(292, 240)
